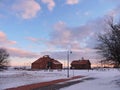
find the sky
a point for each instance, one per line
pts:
(30, 29)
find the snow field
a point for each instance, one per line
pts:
(105, 80)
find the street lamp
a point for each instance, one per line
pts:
(68, 53)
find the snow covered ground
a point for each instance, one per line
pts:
(102, 80)
(14, 78)
(106, 80)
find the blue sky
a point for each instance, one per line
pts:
(32, 28)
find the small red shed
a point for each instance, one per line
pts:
(81, 64)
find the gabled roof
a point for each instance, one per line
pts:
(80, 62)
(46, 58)
(56, 62)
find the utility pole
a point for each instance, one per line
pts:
(68, 53)
(68, 64)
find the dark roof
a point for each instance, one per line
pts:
(47, 58)
(80, 62)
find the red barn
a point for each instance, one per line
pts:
(46, 62)
(81, 64)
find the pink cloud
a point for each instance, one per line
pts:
(43, 41)
(76, 38)
(79, 37)
(32, 39)
(67, 36)
(2, 35)
(37, 40)
(4, 41)
(27, 9)
(17, 52)
(72, 2)
(50, 4)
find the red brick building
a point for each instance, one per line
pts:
(81, 64)
(46, 62)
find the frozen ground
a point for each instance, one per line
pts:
(104, 80)
(14, 78)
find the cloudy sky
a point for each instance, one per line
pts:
(32, 28)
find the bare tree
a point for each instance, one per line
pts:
(109, 42)
(3, 58)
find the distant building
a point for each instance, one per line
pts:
(46, 62)
(81, 64)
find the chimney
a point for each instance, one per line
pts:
(82, 58)
(46, 56)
